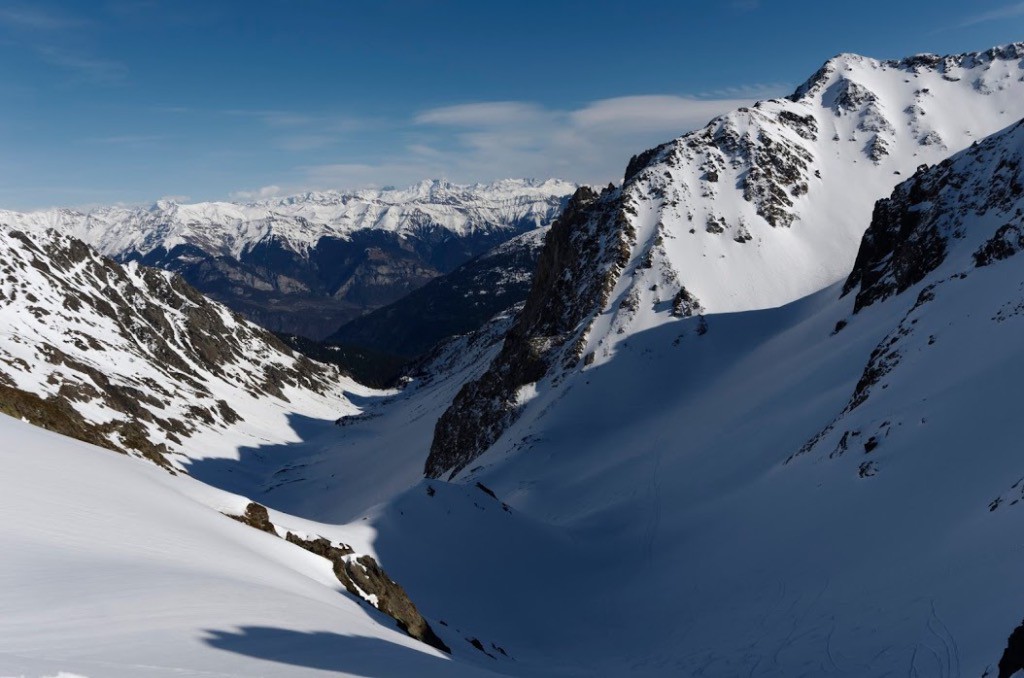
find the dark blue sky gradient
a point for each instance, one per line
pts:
(131, 100)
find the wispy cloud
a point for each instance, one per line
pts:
(479, 141)
(85, 67)
(295, 131)
(36, 19)
(50, 34)
(486, 114)
(126, 139)
(1004, 12)
(257, 194)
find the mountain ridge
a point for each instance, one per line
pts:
(762, 206)
(307, 264)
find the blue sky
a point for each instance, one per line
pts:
(133, 100)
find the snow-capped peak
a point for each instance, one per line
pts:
(300, 221)
(761, 207)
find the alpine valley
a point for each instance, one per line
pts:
(753, 411)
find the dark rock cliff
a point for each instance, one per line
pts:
(911, 232)
(583, 254)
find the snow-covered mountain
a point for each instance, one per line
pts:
(770, 464)
(305, 264)
(761, 207)
(831, 487)
(135, 359)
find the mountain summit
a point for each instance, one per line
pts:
(761, 207)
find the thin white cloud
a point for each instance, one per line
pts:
(654, 113)
(486, 114)
(297, 132)
(127, 140)
(485, 141)
(36, 19)
(1005, 12)
(306, 142)
(258, 194)
(591, 143)
(88, 68)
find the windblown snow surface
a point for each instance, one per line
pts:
(830, 487)
(112, 567)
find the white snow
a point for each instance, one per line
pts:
(113, 568)
(652, 515)
(222, 228)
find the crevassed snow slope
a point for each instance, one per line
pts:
(113, 568)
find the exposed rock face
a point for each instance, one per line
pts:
(582, 256)
(1012, 660)
(937, 229)
(361, 575)
(130, 358)
(456, 303)
(54, 413)
(256, 515)
(911, 231)
(307, 264)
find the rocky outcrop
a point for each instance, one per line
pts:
(361, 575)
(912, 231)
(54, 413)
(1012, 660)
(935, 230)
(256, 516)
(584, 252)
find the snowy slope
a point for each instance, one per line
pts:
(830, 487)
(134, 359)
(768, 204)
(799, 491)
(113, 568)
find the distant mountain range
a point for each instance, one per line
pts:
(456, 303)
(306, 264)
